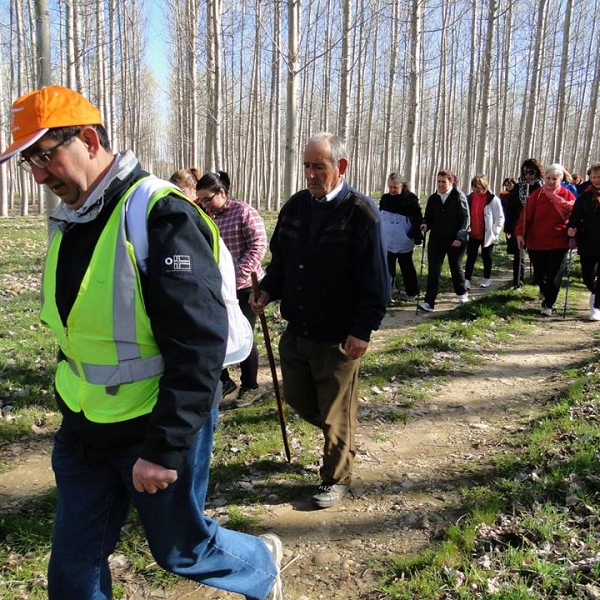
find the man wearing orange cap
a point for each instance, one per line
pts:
(142, 332)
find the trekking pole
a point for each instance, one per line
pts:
(421, 272)
(522, 250)
(265, 329)
(569, 264)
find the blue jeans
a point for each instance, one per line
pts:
(94, 500)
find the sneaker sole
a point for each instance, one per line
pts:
(329, 503)
(275, 546)
(250, 402)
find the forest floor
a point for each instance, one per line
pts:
(408, 476)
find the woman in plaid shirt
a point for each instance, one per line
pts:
(243, 231)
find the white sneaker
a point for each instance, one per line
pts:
(463, 298)
(592, 300)
(486, 283)
(276, 548)
(467, 284)
(426, 307)
(545, 311)
(595, 314)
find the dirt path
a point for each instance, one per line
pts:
(407, 477)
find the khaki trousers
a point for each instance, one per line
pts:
(321, 383)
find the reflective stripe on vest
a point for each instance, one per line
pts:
(108, 341)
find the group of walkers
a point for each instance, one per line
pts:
(134, 293)
(542, 213)
(133, 290)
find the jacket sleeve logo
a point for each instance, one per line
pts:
(178, 262)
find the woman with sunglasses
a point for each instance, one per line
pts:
(243, 231)
(529, 181)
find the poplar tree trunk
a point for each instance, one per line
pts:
(534, 90)
(564, 66)
(44, 78)
(344, 71)
(414, 92)
(291, 141)
(3, 144)
(481, 162)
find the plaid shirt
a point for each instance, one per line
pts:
(243, 232)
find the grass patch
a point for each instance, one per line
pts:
(533, 531)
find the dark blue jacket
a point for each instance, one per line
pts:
(329, 266)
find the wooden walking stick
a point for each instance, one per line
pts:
(265, 329)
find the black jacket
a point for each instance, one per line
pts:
(407, 204)
(447, 221)
(513, 206)
(188, 318)
(585, 216)
(329, 266)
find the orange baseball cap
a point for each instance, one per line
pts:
(33, 114)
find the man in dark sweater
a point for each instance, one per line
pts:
(329, 270)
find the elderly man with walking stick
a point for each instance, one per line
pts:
(329, 270)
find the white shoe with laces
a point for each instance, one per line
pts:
(595, 314)
(276, 548)
(545, 311)
(426, 307)
(467, 284)
(463, 298)
(486, 283)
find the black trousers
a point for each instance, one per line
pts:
(407, 268)
(589, 274)
(549, 267)
(518, 257)
(435, 259)
(486, 257)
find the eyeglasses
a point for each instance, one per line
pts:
(529, 172)
(206, 199)
(44, 158)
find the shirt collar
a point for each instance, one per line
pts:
(332, 194)
(122, 166)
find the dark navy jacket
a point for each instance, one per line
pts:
(329, 266)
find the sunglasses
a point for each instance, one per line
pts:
(207, 199)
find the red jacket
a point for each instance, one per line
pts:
(546, 220)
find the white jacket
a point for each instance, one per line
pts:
(493, 220)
